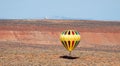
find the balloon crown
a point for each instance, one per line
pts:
(70, 32)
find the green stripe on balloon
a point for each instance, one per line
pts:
(64, 44)
(77, 33)
(63, 33)
(77, 42)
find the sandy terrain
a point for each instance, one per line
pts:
(36, 43)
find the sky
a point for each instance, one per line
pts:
(76, 9)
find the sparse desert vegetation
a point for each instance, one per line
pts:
(16, 54)
(36, 43)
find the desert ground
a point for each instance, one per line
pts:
(36, 43)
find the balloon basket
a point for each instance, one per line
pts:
(70, 53)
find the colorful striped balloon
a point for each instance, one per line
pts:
(70, 39)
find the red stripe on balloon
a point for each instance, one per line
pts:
(72, 32)
(72, 43)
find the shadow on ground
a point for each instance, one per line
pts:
(68, 57)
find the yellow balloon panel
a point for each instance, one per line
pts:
(70, 39)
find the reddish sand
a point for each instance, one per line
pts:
(36, 43)
(48, 31)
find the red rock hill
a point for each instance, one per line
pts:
(47, 31)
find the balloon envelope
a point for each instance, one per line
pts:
(70, 39)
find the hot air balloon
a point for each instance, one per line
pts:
(70, 39)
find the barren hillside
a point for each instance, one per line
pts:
(36, 43)
(47, 31)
